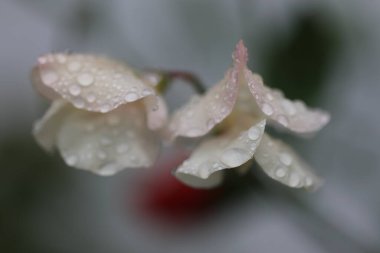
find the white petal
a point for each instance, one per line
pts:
(201, 114)
(222, 152)
(89, 82)
(203, 183)
(45, 130)
(281, 163)
(107, 143)
(293, 115)
(157, 112)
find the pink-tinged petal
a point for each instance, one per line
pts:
(201, 114)
(89, 82)
(45, 130)
(281, 163)
(222, 152)
(293, 115)
(157, 112)
(107, 143)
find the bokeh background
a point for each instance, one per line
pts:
(325, 52)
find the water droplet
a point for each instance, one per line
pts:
(294, 180)
(280, 172)
(61, 58)
(283, 120)
(131, 96)
(146, 92)
(105, 108)
(203, 171)
(74, 66)
(74, 90)
(78, 103)
(234, 157)
(85, 79)
(269, 96)
(71, 160)
(108, 169)
(308, 181)
(286, 159)
(122, 148)
(48, 76)
(267, 109)
(289, 107)
(90, 97)
(254, 133)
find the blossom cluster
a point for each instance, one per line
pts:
(106, 116)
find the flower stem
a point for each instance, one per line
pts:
(167, 77)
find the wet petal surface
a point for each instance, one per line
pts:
(202, 113)
(107, 143)
(293, 115)
(45, 130)
(89, 82)
(225, 151)
(281, 163)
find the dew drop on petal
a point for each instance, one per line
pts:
(85, 79)
(107, 170)
(308, 182)
(289, 107)
(294, 180)
(105, 108)
(234, 157)
(280, 172)
(267, 109)
(286, 159)
(71, 160)
(73, 66)
(131, 96)
(48, 76)
(90, 97)
(78, 103)
(254, 133)
(74, 90)
(283, 120)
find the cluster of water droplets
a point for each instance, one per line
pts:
(90, 82)
(224, 152)
(106, 143)
(282, 164)
(290, 114)
(201, 114)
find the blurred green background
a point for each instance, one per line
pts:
(326, 53)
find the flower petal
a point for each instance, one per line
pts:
(107, 143)
(281, 163)
(293, 115)
(45, 130)
(201, 114)
(89, 82)
(225, 151)
(157, 112)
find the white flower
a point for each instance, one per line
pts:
(239, 107)
(103, 114)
